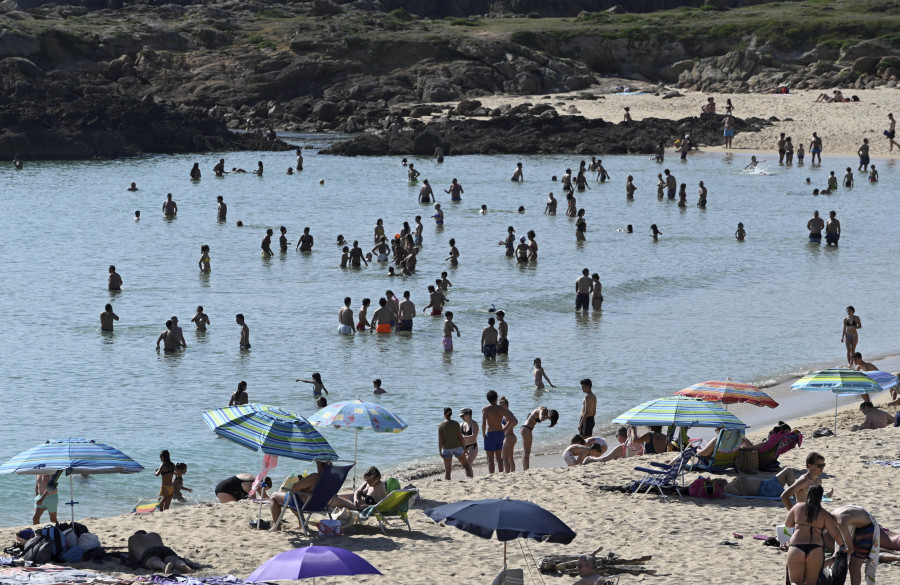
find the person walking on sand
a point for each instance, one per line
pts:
(728, 130)
(537, 416)
(540, 375)
(815, 149)
(815, 225)
(489, 341)
(449, 328)
(107, 317)
(588, 409)
(832, 229)
(245, 331)
(451, 444)
(806, 549)
(863, 153)
(891, 133)
(850, 333)
(345, 318)
(165, 472)
(239, 396)
(46, 497)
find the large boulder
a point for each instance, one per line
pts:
(866, 65)
(14, 44)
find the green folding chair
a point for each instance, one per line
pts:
(396, 503)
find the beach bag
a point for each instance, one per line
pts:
(72, 555)
(88, 541)
(705, 488)
(56, 537)
(38, 550)
(747, 460)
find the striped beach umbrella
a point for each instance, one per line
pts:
(840, 382)
(885, 379)
(680, 411)
(358, 416)
(81, 456)
(728, 392)
(270, 429)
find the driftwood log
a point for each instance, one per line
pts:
(610, 564)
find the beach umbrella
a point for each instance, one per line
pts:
(679, 411)
(272, 430)
(728, 392)
(312, 562)
(358, 416)
(884, 379)
(82, 456)
(840, 382)
(510, 519)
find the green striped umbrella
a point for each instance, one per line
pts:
(839, 381)
(680, 411)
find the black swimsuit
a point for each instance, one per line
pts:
(232, 487)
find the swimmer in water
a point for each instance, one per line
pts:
(654, 232)
(245, 331)
(412, 175)
(540, 375)
(740, 233)
(137, 215)
(267, 244)
(454, 253)
(107, 317)
(550, 209)
(203, 263)
(753, 163)
(340, 240)
(114, 282)
(195, 172)
(318, 386)
(237, 170)
(219, 169)
(290, 171)
(376, 383)
(282, 240)
(438, 215)
(629, 229)
(521, 209)
(133, 187)
(517, 175)
(483, 209)
(169, 207)
(259, 169)
(200, 319)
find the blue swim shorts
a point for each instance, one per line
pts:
(493, 441)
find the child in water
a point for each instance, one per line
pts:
(654, 232)
(740, 233)
(178, 482)
(318, 386)
(540, 375)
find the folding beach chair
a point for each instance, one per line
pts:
(777, 444)
(510, 577)
(396, 503)
(329, 484)
(725, 453)
(666, 477)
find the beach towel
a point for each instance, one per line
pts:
(894, 463)
(269, 463)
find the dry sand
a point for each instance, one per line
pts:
(681, 535)
(842, 127)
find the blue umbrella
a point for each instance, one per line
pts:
(885, 379)
(510, 519)
(80, 456)
(312, 562)
(840, 382)
(680, 411)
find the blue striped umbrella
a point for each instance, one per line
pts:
(80, 456)
(680, 411)
(358, 416)
(270, 429)
(840, 381)
(885, 379)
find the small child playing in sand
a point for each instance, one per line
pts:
(318, 386)
(178, 482)
(540, 375)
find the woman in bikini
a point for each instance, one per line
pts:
(509, 442)
(469, 430)
(369, 493)
(654, 441)
(580, 226)
(165, 471)
(806, 552)
(850, 333)
(537, 416)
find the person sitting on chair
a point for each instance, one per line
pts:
(587, 570)
(304, 484)
(149, 551)
(369, 493)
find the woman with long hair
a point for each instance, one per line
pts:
(806, 550)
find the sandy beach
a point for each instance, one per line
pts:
(842, 127)
(681, 535)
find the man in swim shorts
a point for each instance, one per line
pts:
(245, 331)
(449, 328)
(149, 551)
(863, 153)
(815, 225)
(857, 525)
(489, 340)
(345, 318)
(588, 409)
(436, 300)
(382, 318)
(832, 229)
(45, 498)
(406, 311)
(493, 430)
(170, 341)
(815, 148)
(584, 286)
(221, 209)
(671, 184)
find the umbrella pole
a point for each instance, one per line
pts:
(504, 561)
(835, 413)
(72, 498)
(355, 450)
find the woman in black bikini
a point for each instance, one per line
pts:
(806, 553)
(469, 430)
(537, 416)
(850, 333)
(369, 493)
(654, 441)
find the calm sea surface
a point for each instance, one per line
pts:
(695, 305)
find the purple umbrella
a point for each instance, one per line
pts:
(312, 562)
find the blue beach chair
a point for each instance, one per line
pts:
(329, 484)
(665, 476)
(725, 454)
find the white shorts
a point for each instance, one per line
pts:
(345, 330)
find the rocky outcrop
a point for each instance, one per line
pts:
(539, 129)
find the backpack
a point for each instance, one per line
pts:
(56, 538)
(38, 550)
(706, 488)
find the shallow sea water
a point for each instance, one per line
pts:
(695, 305)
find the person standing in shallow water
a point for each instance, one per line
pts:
(114, 282)
(195, 172)
(169, 207)
(517, 175)
(245, 331)
(107, 317)
(815, 225)
(267, 244)
(850, 333)
(221, 209)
